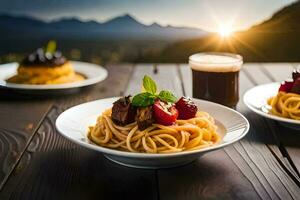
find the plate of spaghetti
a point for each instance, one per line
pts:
(152, 129)
(277, 101)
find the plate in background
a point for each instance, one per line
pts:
(93, 73)
(256, 100)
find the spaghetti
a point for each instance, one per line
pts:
(285, 105)
(184, 135)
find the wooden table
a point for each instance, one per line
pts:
(37, 163)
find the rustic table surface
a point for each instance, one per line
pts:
(37, 163)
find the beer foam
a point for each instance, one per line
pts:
(215, 62)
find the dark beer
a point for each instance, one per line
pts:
(216, 77)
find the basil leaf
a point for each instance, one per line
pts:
(51, 46)
(143, 99)
(167, 96)
(149, 85)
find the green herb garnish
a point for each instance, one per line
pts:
(143, 99)
(149, 85)
(148, 97)
(51, 47)
(167, 96)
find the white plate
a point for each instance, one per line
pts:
(94, 74)
(73, 124)
(256, 99)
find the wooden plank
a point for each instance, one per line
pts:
(166, 77)
(255, 147)
(253, 174)
(245, 170)
(254, 73)
(278, 71)
(55, 168)
(186, 74)
(213, 176)
(289, 138)
(19, 118)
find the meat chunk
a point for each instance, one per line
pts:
(123, 112)
(144, 117)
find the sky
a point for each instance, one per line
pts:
(205, 14)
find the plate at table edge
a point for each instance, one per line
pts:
(94, 74)
(256, 100)
(73, 125)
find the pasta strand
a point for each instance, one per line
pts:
(285, 105)
(184, 135)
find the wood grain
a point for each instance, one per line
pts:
(245, 170)
(289, 139)
(54, 168)
(165, 75)
(264, 78)
(265, 140)
(19, 118)
(277, 71)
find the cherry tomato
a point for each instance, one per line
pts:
(164, 113)
(286, 86)
(186, 107)
(296, 86)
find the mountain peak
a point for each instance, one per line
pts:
(123, 18)
(128, 17)
(155, 25)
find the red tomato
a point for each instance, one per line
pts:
(186, 107)
(286, 86)
(164, 114)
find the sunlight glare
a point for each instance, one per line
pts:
(225, 31)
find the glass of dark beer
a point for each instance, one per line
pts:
(216, 77)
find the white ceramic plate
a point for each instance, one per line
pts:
(256, 100)
(73, 124)
(94, 74)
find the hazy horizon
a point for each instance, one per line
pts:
(240, 15)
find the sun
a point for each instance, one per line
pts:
(225, 31)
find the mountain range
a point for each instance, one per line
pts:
(124, 39)
(121, 27)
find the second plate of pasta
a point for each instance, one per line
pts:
(266, 101)
(137, 149)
